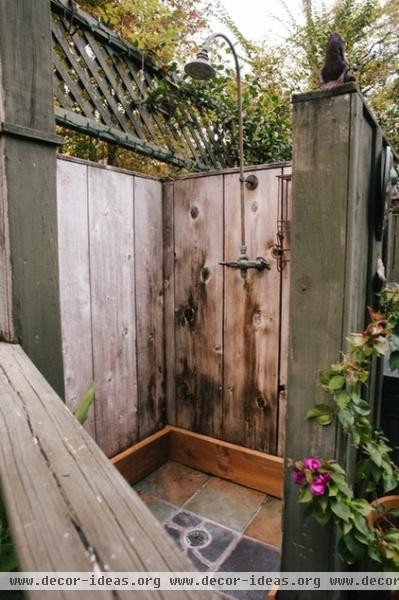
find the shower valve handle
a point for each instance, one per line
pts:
(260, 264)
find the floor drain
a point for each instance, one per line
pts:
(197, 537)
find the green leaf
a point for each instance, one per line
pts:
(342, 399)
(394, 361)
(373, 553)
(321, 413)
(305, 495)
(346, 418)
(374, 454)
(390, 479)
(362, 506)
(361, 524)
(347, 527)
(341, 483)
(354, 546)
(341, 510)
(332, 489)
(344, 552)
(323, 502)
(337, 382)
(362, 469)
(82, 410)
(362, 408)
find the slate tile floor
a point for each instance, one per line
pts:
(220, 526)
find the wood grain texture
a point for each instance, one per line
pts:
(319, 221)
(169, 299)
(198, 227)
(75, 296)
(6, 321)
(28, 187)
(143, 458)
(149, 305)
(89, 518)
(251, 318)
(330, 250)
(113, 308)
(26, 68)
(286, 185)
(253, 469)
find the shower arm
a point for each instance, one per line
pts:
(207, 45)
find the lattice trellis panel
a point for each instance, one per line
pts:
(103, 87)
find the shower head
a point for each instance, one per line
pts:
(200, 67)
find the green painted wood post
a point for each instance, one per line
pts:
(332, 242)
(29, 287)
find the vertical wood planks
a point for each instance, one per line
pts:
(198, 226)
(6, 320)
(75, 298)
(251, 318)
(319, 224)
(286, 185)
(169, 298)
(149, 304)
(110, 256)
(113, 316)
(332, 246)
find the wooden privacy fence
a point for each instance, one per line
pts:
(111, 294)
(148, 313)
(226, 352)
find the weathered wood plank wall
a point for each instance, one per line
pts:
(198, 216)
(337, 149)
(111, 286)
(223, 331)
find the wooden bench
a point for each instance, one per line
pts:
(68, 507)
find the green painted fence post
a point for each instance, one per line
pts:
(29, 287)
(333, 246)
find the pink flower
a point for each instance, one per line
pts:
(298, 477)
(312, 463)
(319, 484)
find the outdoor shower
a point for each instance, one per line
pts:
(200, 68)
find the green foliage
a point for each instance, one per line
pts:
(371, 33)
(82, 410)
(333, 498)
(162, 29)
(8, 558)
(165, 30)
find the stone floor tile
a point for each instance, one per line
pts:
(226, 503)
(266, 526)
(221, 539)
(160, 509)
(172, 482)
(250, 555)
(186, 520)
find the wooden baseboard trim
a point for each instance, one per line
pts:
(143, 458)
(253, 469)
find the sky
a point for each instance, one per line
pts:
(261, 19)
